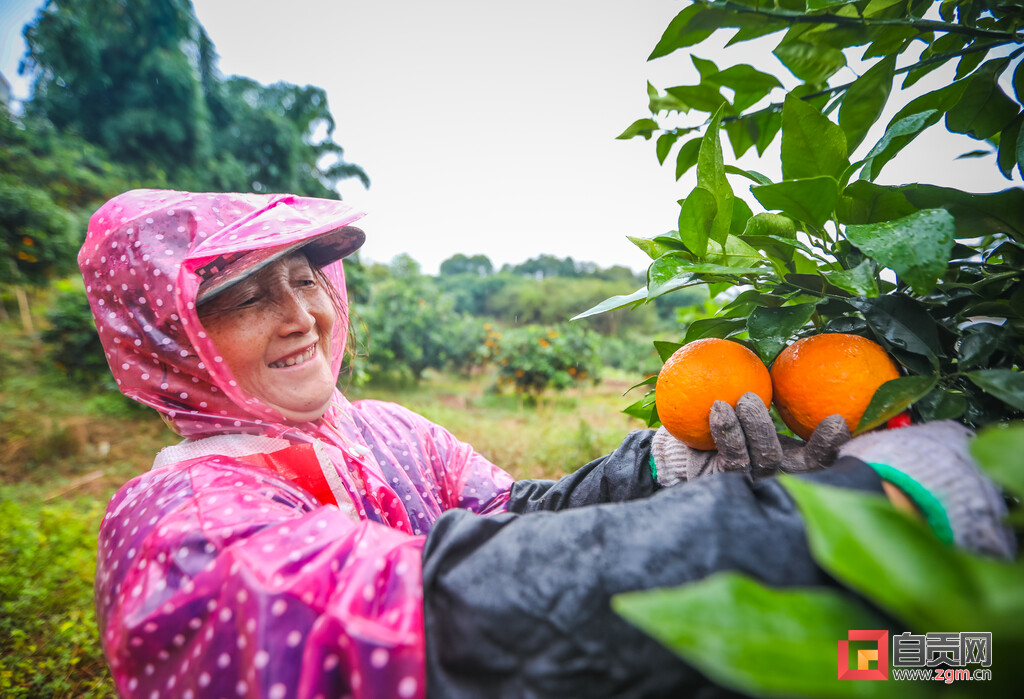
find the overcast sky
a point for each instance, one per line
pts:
(489, 127)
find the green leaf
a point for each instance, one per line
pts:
(689, 27)
(640, 127)
(811, 199)
(742, 305)
(614, 302)
(810, 62)
(770, 329)
(984, 109)
(916, 247)
(975, 214)
(767, 224)
(889, 41)
(973, 154)
(749, 84)
(1006, 158)
(1018, 82)
(755, 639)
(859, 281)
(644, 409)
(713, 327)
(967, 63)
(977, 344)
(751, 175)
(864, 101)
(711, 176)
(866, 202)
(812, 145)
(948, 43)
(903, 325)
(813, 5)
(666, 349)
(653, 248)
(735, 254)
(1020, 154)
(999, 449)
(658, 103)
(892, 398)
(741, 213)
(664, 145)
(706, 68)
(687, 156)
(1005, 384)
(941, 405)
(896, 561)
(668, 273)
(704, 98)
(896, 137)
(649, 381)
(696, 218)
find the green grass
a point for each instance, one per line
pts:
(557, 435)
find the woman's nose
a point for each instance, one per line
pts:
(295, 314)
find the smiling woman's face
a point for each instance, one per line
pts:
(274, 331)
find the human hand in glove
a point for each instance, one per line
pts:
(746, 441)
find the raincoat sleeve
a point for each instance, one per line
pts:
(461, 477)
(519, 605)
(215, 578)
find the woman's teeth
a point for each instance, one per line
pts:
(297, 359)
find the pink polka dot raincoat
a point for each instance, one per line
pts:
(222, 572)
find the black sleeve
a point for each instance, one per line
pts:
(518, 605)
(623, 475)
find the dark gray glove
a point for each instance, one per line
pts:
(746, 441)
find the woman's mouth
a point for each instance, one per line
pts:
(292, 360)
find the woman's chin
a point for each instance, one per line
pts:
(301, 412)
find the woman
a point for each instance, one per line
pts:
(299, 545)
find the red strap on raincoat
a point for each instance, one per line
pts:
(300, 465)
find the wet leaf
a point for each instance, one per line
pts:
(892, 398)
(916, 247)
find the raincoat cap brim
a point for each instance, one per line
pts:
(221, 274)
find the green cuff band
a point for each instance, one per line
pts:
(654, 468)
(930, 506)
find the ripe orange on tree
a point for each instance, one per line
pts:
(698, 374)
(822, 375)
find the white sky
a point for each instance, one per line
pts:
(489, 127)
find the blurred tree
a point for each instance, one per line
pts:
(49, 182)
(479, 265)
(140, 80)
(124, 75)
(403, 266)
(278, 138)
(544, 267)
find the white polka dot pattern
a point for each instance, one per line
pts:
(219, 579)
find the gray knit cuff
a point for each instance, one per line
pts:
(935, 456)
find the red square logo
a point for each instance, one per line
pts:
(878, 655)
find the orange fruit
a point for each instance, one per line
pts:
(698, 374)
(827, 374)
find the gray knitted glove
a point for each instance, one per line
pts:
(931, 464)
(746, 441)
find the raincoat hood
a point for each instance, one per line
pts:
(146, 254)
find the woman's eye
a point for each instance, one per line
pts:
(249, 301)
